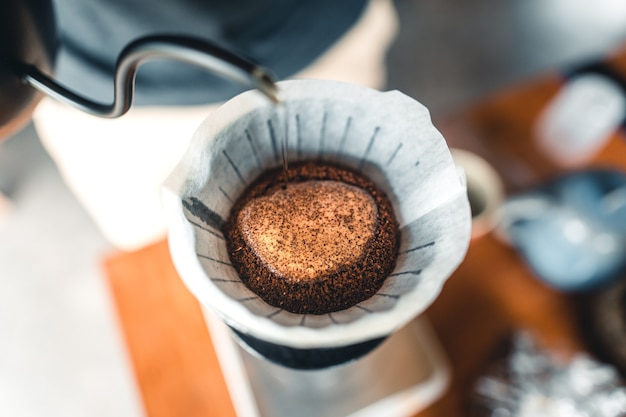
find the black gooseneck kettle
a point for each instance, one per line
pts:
(28, 44)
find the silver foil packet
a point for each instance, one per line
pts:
(531, 382)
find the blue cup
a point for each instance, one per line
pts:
(571, 231)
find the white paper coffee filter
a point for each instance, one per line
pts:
(387, 136)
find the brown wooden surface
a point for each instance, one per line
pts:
(490, 295)
(167, 339)
(493, 292)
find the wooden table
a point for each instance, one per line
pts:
(491, 294)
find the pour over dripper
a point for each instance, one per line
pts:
(386, 136)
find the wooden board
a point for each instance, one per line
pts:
(167, 339)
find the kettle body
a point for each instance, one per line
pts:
(27, 36)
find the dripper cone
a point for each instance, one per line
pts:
(388, 137)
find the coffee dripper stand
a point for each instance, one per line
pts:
(403, 375)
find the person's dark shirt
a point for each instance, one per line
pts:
(282, 35)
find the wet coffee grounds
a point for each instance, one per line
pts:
(321, 240)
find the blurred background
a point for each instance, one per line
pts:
(61, 352)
